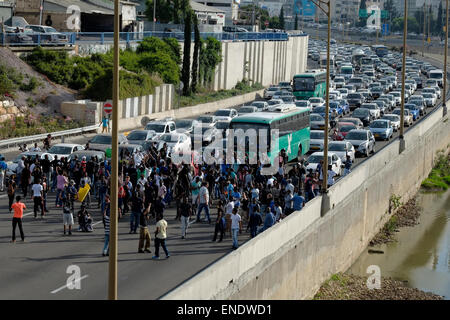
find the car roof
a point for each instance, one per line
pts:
(67, 145)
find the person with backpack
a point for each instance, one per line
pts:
(11, 190)
(18, 208)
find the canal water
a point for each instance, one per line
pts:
(421, 254)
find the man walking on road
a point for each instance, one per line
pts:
(185, 213)
(106, 221)
(204, 202)
(236, 227)
(160, 237)
(18, 208)
(38, 197)
(144, 234)
(137, 205)
(3, 167)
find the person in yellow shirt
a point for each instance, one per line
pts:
(160, 237)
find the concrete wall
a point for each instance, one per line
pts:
(292, 259)
(135, 112)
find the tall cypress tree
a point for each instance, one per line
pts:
(197, 43)
(282, 18)
(296, 23)
(185, 72)
(439, 22)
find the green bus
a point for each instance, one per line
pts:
(293, 128)
(313, 83)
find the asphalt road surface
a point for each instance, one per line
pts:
(37, 268)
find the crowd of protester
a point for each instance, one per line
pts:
(230, 195)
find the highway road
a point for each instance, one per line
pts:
(37, 268)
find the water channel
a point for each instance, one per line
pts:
(421, 254)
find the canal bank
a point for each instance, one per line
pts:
(420, 255)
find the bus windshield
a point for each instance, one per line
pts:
(304, 84)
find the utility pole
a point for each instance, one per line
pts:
(444, 85)
(112, 276)
(41, 12)
(424, 30)
(325, 207)
(402, 112)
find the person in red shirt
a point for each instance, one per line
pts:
(18, 208)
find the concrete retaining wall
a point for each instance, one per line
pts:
(292, 259)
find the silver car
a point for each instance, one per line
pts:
(362, 140)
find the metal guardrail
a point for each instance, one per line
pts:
(72, 38)
(40, 137)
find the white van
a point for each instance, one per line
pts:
(437, 75)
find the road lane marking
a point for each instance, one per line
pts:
(65, 286)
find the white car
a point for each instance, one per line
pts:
(337, 93)
(261, 105)
(333, 159)
(373, 108)
(344, 92)
(438, 91)
(316, 140)
(316, 102)
(176, 142)
(430, 99)
(12, 165)
(395, 120)
(63, 149)
(303, 104)
(161, 127)
(342, 149)
(226, 114)
(431, 91)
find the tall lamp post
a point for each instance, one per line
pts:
(325, 6)
(112, 276)
(402, 113)
(154, 15)
(444, 95)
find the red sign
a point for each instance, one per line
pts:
(107, 107)
(266, 23)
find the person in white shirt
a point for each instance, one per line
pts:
(290, 186)
(331, 174)
(36, 148)
(236, 227)
(203, 202)
(37, 191)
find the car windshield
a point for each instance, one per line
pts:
(316, 135)
(49, 29)
(304, 84)
(222, 113)
(336, 147)
(60, 150)
(355, 80)
(301, 103)
(334, 104)
(369, 106)
(315, 100)
(102, 139)
(319, 109)
(222, 125)
(346, 128)
(158, 128)
(183, 123)
(392, 118)
(436, 75)
(379, 124)
(205, 119)
(169, 138)
(315, 158)
(272, 89)
(315, 118)
(360, 112)
(246, 110)
(427, 95)
(258, 104)
(354, 96)
(356, 135)
(137, 135)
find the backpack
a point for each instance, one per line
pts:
(11, 189)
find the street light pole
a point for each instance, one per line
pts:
(154, 16)
(444, 95)
(325, 199)
(112, 276)
(402, 113)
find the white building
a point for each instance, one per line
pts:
(229, 7)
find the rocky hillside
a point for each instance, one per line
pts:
(27, 89)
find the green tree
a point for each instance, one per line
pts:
(391, 8)
(282, 18)
(164, 11)
(210, 57)
(363, 14)
(274, 23)
(197, 44)
(296, 23)
(185, 72)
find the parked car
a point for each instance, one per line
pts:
(48, 35)
(364, 115)
(316, 140)
(185, 126)
(362, 140)
(342, 149)
(140, 136)
(103, 141)
(333, 159)
(12, 165)
(247, 109)
(225, 114)
(394, 119)
(382, 129)
(63, 149)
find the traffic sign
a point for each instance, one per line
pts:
(107, 107)
(385, 29)
(266, 23)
